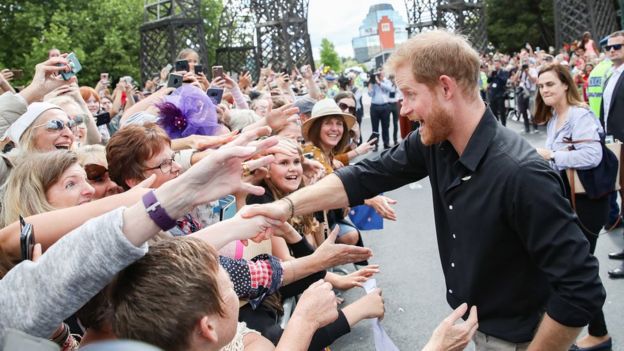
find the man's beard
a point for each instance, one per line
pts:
(437, 127)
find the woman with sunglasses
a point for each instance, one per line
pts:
(93, 159)
(44, 127)
(346, 103)
(43, 182)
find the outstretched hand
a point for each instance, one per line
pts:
(381, 205)
(219, 173)
(449, 336)
(332, 254)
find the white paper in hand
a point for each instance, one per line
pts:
(382, 340)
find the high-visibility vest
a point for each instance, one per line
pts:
(482, 80)
(597, 79)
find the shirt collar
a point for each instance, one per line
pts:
(479, 141)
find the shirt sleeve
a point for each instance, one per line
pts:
(254, 279)
(400, 165)
(35, 297)
(555, 243)
(585, 155)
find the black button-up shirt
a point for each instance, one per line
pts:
(507, 236)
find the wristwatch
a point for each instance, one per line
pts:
(157, 213)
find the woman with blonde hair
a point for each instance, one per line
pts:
(43, 182)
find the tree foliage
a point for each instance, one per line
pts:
(104, 34)
(513, 23)
(329, 56)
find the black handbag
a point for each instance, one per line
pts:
(600, 180)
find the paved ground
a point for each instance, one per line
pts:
(411, 276)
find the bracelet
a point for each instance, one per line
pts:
(291, 205)
(61, 337)
(157, 213)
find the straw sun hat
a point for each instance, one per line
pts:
(324, 108)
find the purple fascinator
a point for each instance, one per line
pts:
(187, 111)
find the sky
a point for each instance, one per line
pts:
(339, 20)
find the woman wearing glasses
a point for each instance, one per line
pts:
(137, 152)
(44, 127)
(346, 103)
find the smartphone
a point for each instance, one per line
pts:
(74, 66)
(174, 80)
(199, 69)
(215, 94)
(102, 118)
(27, 239)
(182, 65)
(17, 73)
(217, 71)
(309, 155)
(374, 135)
(228, 207)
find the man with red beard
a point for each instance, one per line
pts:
(508, 239)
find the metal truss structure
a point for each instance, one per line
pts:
(574, 17)
(461, 16)
(236, 50)
(259, 33)
(168, 27)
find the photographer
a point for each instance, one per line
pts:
(379, 89)
(524, 80)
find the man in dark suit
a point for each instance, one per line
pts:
(612, 112)
(497, 82)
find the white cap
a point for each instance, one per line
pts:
(21, 124)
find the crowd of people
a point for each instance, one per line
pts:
(194, 213)
(123, 212)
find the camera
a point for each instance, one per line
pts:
(372, 77)
(182, 65)
(74, 65)
(27, 239)
(174, 81)
(217, 71)
(199, 69)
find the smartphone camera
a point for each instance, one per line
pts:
(174, 81)
(27, 239)
(74, 66)
(182, 65)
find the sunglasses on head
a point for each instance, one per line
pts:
(95, 172)
(615, 47)
(345, 107)
(58, 125)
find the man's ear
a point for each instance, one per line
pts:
(207, 329)
(448, 85)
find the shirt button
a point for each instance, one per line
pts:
(454, 237)
(450, 207)
(452, 264)
(450, 291)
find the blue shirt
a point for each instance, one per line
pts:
(379, 93)
(581, 124)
